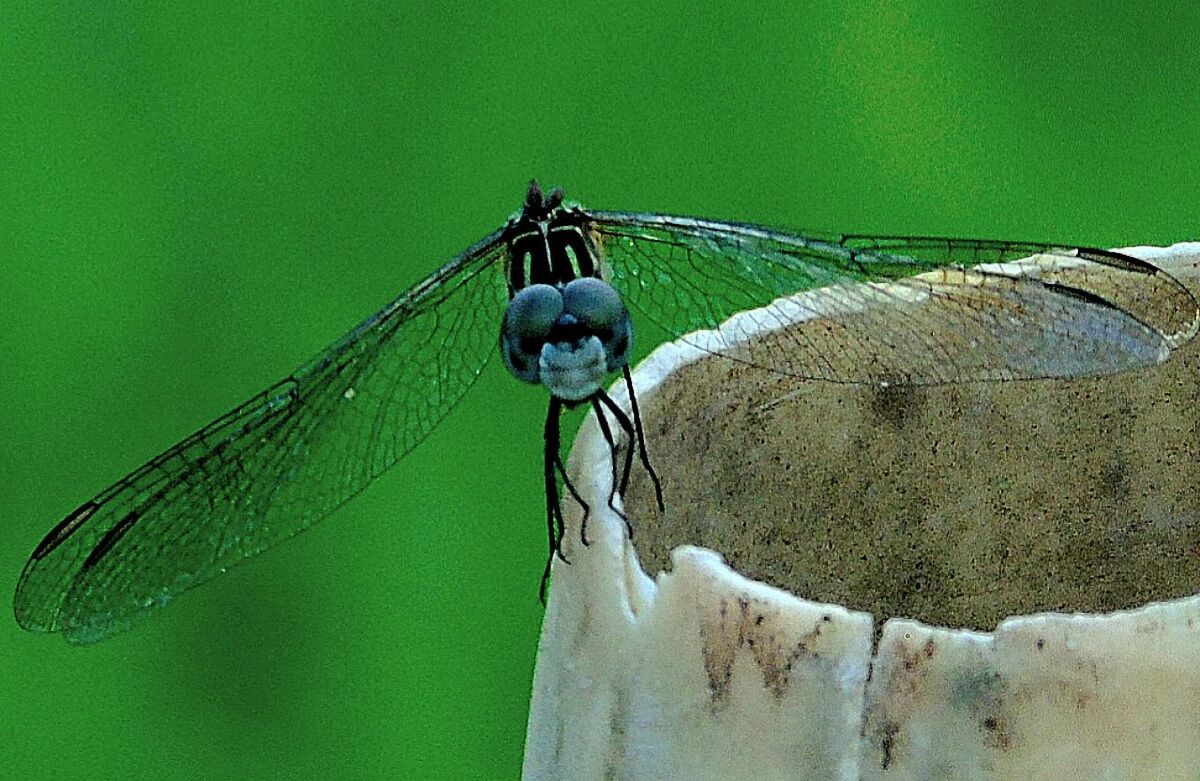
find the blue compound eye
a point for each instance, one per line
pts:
(594, 303)
(532, 312)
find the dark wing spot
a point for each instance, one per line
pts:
(110, 539)
(1081, 295)
(64, 529)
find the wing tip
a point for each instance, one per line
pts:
(63, 530)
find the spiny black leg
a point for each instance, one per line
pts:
(608, 437)
(623, 422)
(549, 476)
(562, 470)
(612, 449)
(545, 580)
(641, 439)
(554, 523)
(617, 484)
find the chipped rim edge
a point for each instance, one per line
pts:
(638, 588)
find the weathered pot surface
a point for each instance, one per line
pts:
(1029, 550)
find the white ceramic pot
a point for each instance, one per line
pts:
(985, 581)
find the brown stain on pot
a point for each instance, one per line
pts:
(746, 625)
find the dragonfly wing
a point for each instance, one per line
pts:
(896, 309)
(273, 466)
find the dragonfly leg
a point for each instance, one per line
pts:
(554, 519)
(641, 439)
(554, 522)
(620, 477)
(562, 470)
(623, 422)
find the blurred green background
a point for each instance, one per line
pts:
(195, 199)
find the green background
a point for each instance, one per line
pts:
(193, 201)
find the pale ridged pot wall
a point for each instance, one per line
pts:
(1016, 563)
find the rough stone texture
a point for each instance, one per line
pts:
(1045, 697)
(957, 505)
(952, 504)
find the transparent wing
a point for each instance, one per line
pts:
(275, 465)
(896, 309)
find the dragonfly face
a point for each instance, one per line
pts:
(568, 338)
(565, 281)
(564, 327)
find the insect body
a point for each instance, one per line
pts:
(567, 285)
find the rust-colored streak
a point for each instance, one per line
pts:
(747, 624)
(887, 742)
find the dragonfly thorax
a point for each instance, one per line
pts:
(566, 337)
(549, 248)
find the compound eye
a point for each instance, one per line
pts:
(532, 312)
(594, 303)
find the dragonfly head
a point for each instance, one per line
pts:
(538, 205)
(566, 337)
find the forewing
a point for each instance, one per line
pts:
(895, 309)
(275, 465)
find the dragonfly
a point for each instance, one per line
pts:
(554, 292)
